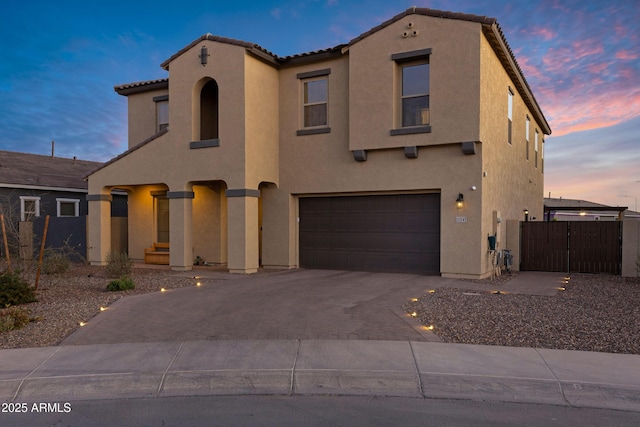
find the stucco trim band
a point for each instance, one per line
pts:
(205, 143)
(242, 192)
(410, 56)
(315, 73)
(410, 130)
(99, 198)
(315, 131)
(180, 194)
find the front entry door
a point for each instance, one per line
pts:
(162, 219)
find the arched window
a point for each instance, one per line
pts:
(209, 111)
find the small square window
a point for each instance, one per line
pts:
(68, 207)
(29, 208)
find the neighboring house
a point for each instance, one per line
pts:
(401, 151)
(560, 209)
(33, 186)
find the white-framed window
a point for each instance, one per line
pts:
(29, 208)
(510, 115)
(535, 148)
(315, 102)
(542, 156)
(526, 135)
(68, 207)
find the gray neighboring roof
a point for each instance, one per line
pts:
(33, 170)
(552, 204)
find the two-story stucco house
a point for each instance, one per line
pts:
(401, 151)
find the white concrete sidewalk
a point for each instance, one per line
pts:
(321, 367)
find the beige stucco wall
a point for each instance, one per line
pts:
(210, 223)
(260, 114)
(374, 83)
(510, 182)
(142, 115)
(631, 248)
(262, 126)
(323, 164)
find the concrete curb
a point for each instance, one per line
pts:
(321, 367)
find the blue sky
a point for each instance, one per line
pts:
(59, 61)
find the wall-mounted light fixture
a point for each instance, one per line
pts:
(204, 55)
(460, 201)
(526, 215)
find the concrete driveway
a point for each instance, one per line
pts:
(293, 304)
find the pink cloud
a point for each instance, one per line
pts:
(597, 68)
(626, 55)
(545, 33)
(600, 110)
(582, 48)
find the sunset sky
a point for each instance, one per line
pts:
(59, 62)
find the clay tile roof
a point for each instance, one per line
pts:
(23, 169)
(247, 45)
(490, 28)
(129, 88)
(426, 12)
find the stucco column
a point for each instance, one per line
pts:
(180, 224)
(98, 228)
(242, 219)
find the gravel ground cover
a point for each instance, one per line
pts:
(594, 313)
(76, 296)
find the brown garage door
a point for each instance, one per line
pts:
(389, 233)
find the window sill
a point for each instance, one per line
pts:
(204, 143)
(313, 131)
(411, 130)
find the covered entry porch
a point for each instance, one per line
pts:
(189, 225)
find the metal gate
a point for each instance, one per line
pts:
(571, 246)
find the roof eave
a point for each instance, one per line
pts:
(498, 42)
(133, 88)
(252, 47)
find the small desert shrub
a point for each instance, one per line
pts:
(14, 290)
(122, 284)
(13, 318)
(54, 262)
(119, 264)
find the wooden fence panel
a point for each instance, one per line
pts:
(544, 246)
(571, 246)
(595, 247)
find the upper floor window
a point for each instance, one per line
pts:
(526, 136)
(315, 102)
(535, 148)
(68, 207)
(162, 114)
(209, 111)
(510, 114)
(29, 208)
(412, 106)
(415, 95)
(542, 156)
